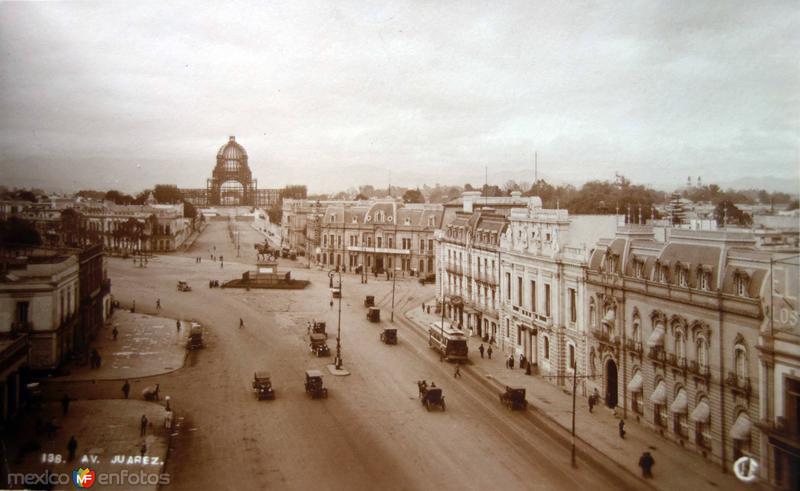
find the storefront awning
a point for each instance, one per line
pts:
(701, 413)
(680, 405)
(656, 338)
(636, 383)
(741, 428)
(659, 396)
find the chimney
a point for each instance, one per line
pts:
(469, 198)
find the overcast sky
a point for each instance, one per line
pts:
(336, 94)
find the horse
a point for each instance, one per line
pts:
(150, 393)
(423, 388)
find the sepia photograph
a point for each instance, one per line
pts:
(400, 245)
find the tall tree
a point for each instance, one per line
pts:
(413, 196)
(727, 213)
(167, 194)
(18, 231)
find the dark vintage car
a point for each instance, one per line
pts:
(432, 397)
(318, 344)
(374, 314)
(369, 301)
(389, 336)
(262, 386)
(314, 386)
(428, 278)
(195, 340)
(514, 397)
(184, 287)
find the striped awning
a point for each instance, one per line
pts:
(701, 413)
(636, 383)
(659, 396)
(656, 338)
(741, 428)
(680, 405)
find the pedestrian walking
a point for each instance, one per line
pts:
(126, 389)
(220, 265)
(65, 404)
(511, 361)
(143, 426)
(158, 304)
(133, 308)
(177, 326)
(622, 429)
(143, 449)
(480, 349)
(457, 373)
(591, 402)
(241, 323)
(521, 360)
(489, 351)
(72, 446)
(115, 333)
(331, 304)
(646, 462)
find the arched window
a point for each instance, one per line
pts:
(701, 353)
(592, 313)
(740, 362)
(636, 333)
(680, 348)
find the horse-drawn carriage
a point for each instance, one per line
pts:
(369, 301)
(262, 386)
(184, 287)
(318, 345)
(430, 396)
(374, 314)
(195, 340)
(514, 398)
(314, 386)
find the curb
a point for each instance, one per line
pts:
(554, 428)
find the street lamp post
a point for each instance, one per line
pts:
(338, 360)
(394, 282)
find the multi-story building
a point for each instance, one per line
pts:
(379, 236)
(300, 220)
(468, 276)
(472, 200)
(779, 376)
(674, 335)
(40, 298)
(544, 254)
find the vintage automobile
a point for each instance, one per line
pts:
(389, 336)
(184, 287)
(432, 396)
(318, 327)
(318, 344)
(314, 386)
(369, 301)
(514, 397)
(428, 278)
(374, 314)
(195, 340)
(262, 386)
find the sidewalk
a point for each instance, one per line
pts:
(146, 345)
(675, 467)
(107, 433)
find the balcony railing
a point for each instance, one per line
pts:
(21, 327)
(738, 382)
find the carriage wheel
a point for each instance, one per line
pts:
(427, 406)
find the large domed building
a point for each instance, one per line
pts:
(232, 181)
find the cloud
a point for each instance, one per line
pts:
(337, 94)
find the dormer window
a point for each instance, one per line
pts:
(663, 273)
(407, 221)
(740, 281)
(705, 279)
(683, 276)
(611, 262)
(638, 269)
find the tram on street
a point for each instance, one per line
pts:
(451, 343)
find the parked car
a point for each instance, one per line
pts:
(369, 301)
(374, 314)
(195, 340)
(514, 397)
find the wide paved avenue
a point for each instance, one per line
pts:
(371, 433)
